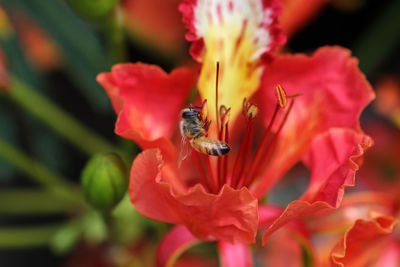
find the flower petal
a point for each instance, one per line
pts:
(268, 214)
(230, 216)
(298, 13)
(334, 158)
(390, 256)
(147, 101)
(238, 34)
(157, 22)
(293, 211)
(359, 244)
(286, 248)
(333, 92)
(235, 255)
(173, 244)
(381, 169)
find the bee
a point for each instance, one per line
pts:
(194, 129)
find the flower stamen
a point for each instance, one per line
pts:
(211, 173)
(250, 178)
(203, 177)
(225, 158)
(224, 114)
(249, 111)
(254, 167)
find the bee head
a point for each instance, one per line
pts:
(189, 113)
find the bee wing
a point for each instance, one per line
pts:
(185, 150)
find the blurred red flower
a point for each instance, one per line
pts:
(156, 22)
(362, 232)
(40, 49)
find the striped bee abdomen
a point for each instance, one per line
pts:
(210, 146)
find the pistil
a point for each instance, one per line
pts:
(216, 97)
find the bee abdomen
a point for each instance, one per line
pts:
(210, 146)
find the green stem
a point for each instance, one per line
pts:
(31, 236)
(59, 120)
(40, 174)
(115, 35)
(27, 201)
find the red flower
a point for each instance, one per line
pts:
(388, 98)
(216, 198)
(298, 13)
(363, 232)
(156, 23)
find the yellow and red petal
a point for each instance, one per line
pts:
(333, 159)
(364, 242)
(333, 92)
(240, 35)
(147, 101)
(230, 216)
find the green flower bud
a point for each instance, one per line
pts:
(104, 181)
(93, 9)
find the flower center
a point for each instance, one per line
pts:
(243, 169)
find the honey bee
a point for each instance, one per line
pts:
(195, 130)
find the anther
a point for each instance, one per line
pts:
(224, 114)
(249, 110)
(281, 96)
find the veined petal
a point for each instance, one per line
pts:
(238, 34)
(147, 101)
(333, 92)
(333, 160)
(230, 216)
